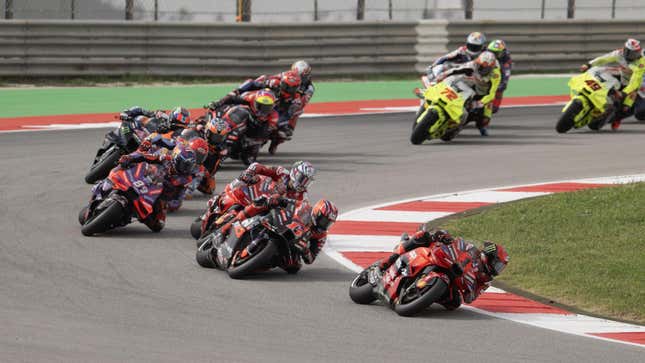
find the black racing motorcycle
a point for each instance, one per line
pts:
(259, 242)
(123, 140)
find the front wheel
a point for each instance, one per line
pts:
(106, 219)
(101, 168)
(240, 268)
(361, 291)
(420, 131)
(204, 255)
(412, 300)
(196, 228)
(566, 121)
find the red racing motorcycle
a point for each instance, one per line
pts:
(417, 279)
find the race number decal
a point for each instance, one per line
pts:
(593, 84)
(141, 186)
(450, 94)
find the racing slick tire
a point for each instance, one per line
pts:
(204, 256)
(102, 167)
(420, 131)
(361, 291)
(196, 228)
(105, 220)
(565, 123)
(259, 260)
(427, 297)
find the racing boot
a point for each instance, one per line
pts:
(273, 147)
(615, 125)
(482, 125)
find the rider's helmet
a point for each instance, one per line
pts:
(442, 236)
(179, 118)
(189, 134)
(475, 43)
(632, 50)
(263, 103)
(183, 159)
(301, 175)
(497, 46)
(289, 84)
(303, 69)
(200, 147)
(486, 62)
(217, 131)
(494, 257)
(324, 214)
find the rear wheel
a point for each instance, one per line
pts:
(598, 124)
(420, 131)
(101, 168)
(413, 300)
(106, 219)
(361, 291)
(565, 123)
(260, 259)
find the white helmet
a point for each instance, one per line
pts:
(301, 175)
(632, 50)
(302, 68)
(475, 43)
(486, 62)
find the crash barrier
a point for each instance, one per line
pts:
(52, 48)
(84, 48)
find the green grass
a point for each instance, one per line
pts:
(39, 101)
(583, 249)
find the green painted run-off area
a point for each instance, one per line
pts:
(16, 102)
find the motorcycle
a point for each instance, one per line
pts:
(224, 207)
(416, 280)
(259, 242)
(444, 110)
(594, 94)
(125, 193)
(122, 141)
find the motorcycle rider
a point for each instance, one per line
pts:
(286, 86)
(177, 166)
(475, 44)
(630, 63)
(498, 47)
(291, 184)
(159, 121)
(289, 119)
(251, 114)
(216, 134)
(323, 216)
(483, 75)
(490, 261)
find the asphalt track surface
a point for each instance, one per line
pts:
(132, 295)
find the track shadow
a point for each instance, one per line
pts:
(490, 141)
(306, 274)
(142, 232)
(438, 312)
